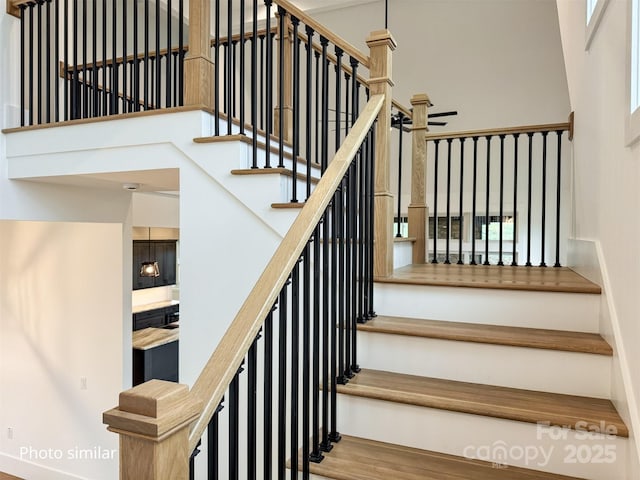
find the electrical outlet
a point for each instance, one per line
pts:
(83, 383)
(10, 433)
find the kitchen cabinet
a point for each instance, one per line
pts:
(155, 355)
(156, 317)
(162, 251)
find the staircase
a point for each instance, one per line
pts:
(485, 391)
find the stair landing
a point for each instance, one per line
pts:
(359, 459)
(540, 279)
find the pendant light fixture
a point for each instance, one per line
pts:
(150, 268)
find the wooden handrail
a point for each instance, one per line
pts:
(324, 31)
(550, 127)
(401, 108)
(222, 366)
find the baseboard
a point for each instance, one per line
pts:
(33, 471)
(587, 258)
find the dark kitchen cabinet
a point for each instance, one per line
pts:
(162, 251)
(158, 317)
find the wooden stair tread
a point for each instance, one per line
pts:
(538, 279)
(290, 205)
(272, 171)
(6, 476)
(491, 334)
(500, 402)
(359, 459)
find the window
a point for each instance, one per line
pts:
(633, 73)
(595, 11)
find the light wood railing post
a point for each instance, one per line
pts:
(198, 66)
(286, 81)
(153, 423)
(381, 45)
(418, 212)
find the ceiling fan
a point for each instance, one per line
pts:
(399, 119)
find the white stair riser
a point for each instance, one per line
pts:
(557, 311)
(527, 445)
(527, 368)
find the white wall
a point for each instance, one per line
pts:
(606, 178)
(498, 63)
(54, 334)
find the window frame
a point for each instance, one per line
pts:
(593, 21)
(632, 120)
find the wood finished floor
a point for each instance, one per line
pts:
(547, 279)
(6, 476)
(490, 334)
(359, 459)
(488, 400)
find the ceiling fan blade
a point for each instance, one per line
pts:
(443, 114)
(437, 124)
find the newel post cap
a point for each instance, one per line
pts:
(155, 409)
(421, 99)
(381, 37)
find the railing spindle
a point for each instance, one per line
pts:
(242, 68)
(474, 201)
(544, 199)
(296, 110)
(268, 397)
(269, 87)
(282, 383)
(306, 358)
(514, 261)
(461, 217)
(168, 79)
(316, 454)
(529, 209)
(254, 84)
(252, 397)
(558, 188)
(216, 62)
(447, 261)
(234, 426)
(501, 214)
(435, 202)
(487, 211)
(400, 127)
(308, 106)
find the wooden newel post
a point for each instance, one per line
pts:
(381, 45)
(418, 212)
(153, 423)
(198, 66)
(285, 81)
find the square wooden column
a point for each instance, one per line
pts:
(418, 212)
(198, 66)
(153, 423)
(381, 45)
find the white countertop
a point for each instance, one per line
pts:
(154, 305)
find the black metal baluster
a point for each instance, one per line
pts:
(448, 235)
(544, 199)
(261, 70)
(269, 87)
(56, 63)
(158, 59)
(340, 235)
(309, 94)
(371, 193)
(348, 266)
(338, 97)
(296, 111)
(216, 61)
(38, 7)
(400, 126)
(347, 104)
(226, 69)
(124, 58)
(146, 55)
(282, 383)
(65, 72)
(152, 81)
(114, 57)
(94, 59)
(229, 68)
(22, 8)
(74, 91)
(326, 322)
(325, 105)
(181, 52)
(85, 89)
(48, 63)
(530, 179)
(514, 261)
(353, 248)
(176, 66)
(167, 81)
(252, 397)
(334, 436)
(268, 397)
(281, 80)
(488, 217)
(362, 314)
(213, 445)
(233, 69)
(295, 368)
(501, 214)
(435, 202)
(558, 189)
(461, 218)
(473, 202)
(234, 426)
(316, 454)
(306, 358)
(254, 85)
(242, 72)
